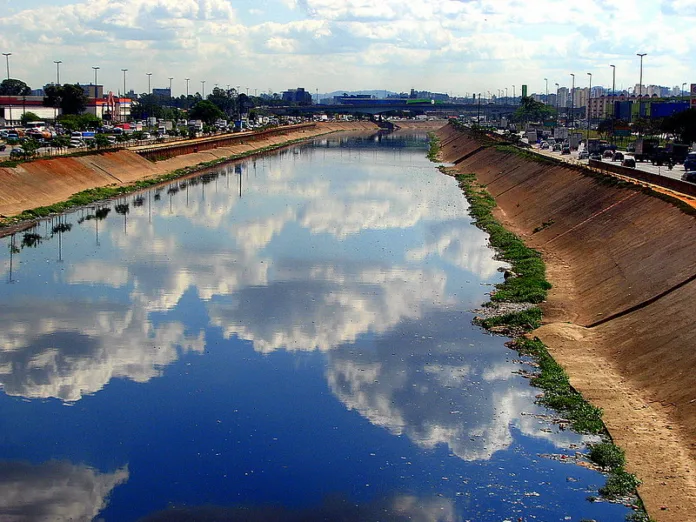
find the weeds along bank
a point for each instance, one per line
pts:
(621, 262)
(44, 183)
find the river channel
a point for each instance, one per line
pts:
(285, 338)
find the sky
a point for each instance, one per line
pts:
(455, 46)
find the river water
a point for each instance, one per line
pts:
(284, 338)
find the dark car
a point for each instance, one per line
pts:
(629, 161)
(689, 176)
(690, 161)
(565, 150)
(17, 153)
(618, 156)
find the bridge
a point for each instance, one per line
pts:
(377, 106)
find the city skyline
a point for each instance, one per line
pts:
(438, 45)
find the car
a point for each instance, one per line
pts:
(17, 153)
(75, 143)
(544, 145)
(690, 176)
(618, 156)
(596, 156)
(2, 147)
(629, 161)
(583, 155)
(608, 153)
(565, 150)
(690, 161)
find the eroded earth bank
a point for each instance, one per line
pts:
(620, 315)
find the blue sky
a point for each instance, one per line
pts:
(454, 46)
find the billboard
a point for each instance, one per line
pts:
(693, 89)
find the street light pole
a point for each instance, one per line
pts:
(640, 84)
(547, 90)
(572, 100)
(124, 80)
(57, 62)
(170, 86)
(613, 80)
(589, 101)
(7, 60)
(683, 90)
(203, 89)
(95, 80)
(514, 95)
(149, 84)
(557, 87)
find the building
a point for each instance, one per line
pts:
(110, 108)
(163, 94)
(299, 96)
(580, 97)
(93, 91)
(563, 97)
(13, 107)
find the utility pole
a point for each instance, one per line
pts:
(95, 80)
(57, 62)
(203, 89)
(557, 87)
(170, 87)
(149, 84)
(547, 90)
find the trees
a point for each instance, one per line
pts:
(70, 98)
(682, 124)
(12, 87)
(29, 116)
(206, 111)
(74, 122)
(532, 110)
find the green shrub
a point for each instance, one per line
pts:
(619, 484)
(608, 455)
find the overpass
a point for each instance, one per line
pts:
(376, 107)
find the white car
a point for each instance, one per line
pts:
(583, 155)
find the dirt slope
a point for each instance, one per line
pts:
(45, 182)
(611, 251)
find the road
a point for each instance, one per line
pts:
(675, 173)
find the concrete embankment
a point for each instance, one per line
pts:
(620, 316)
(46, 182)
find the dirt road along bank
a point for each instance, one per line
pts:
(620, 317)
(46, 182)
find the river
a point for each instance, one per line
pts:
(285, 338)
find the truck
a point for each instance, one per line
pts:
(677, 152)
(531, 136)
(593, 146)
(645, 149)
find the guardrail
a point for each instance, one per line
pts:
(654, 179)
(171, 150)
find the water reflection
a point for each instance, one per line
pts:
(67, 350)
(397, 508)
(54, 491)
(432, 382)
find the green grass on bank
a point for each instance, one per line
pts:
(529, 284)
(434, 147)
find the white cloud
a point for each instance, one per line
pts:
(56, 490)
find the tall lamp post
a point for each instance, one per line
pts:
(7, 60)
(613, 102)
(613, 80)
(557, 87)
(640, 83)
(95, 80)
(187, 92)
(124, 71)
(57, 62)
(203, 89)
(572, 100)
(514, 95)
(589, 102)
(149, 84)
(547, 90)
(684, 90)
(170, 86)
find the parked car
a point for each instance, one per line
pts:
(565, 150)
(690, 176)
(75, 143)
(2, 147)
(629, 161)
(583, 155)
(618, 156)
(17, 153)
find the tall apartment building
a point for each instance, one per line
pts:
(563, 97)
